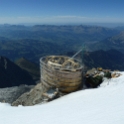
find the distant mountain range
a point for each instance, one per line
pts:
(59, 33)
(33, 42)
(26, 45)
(110, 59)
(114, 42)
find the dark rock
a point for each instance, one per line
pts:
(93, 82)
(94, 77)
(107, 74)
(32, 68)
(111, 59)
(13, 75)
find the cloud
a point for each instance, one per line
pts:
(69, 16)
(57, 19)
(42, 19)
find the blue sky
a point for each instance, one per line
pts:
(61, 11)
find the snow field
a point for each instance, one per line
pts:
(103, 105)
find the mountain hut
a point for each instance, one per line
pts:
(61, 72)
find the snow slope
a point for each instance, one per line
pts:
(104, 105)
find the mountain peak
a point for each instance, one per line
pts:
(12, 75)
(32, 68)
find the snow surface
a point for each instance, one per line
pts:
(103, 105)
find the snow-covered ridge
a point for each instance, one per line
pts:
(103, 105)
(114, 81)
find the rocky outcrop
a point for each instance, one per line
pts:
(30, 98)
(37, 95)
(10, 94)
(94, 77)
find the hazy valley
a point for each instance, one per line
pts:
(34, 42)
(25, 45)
